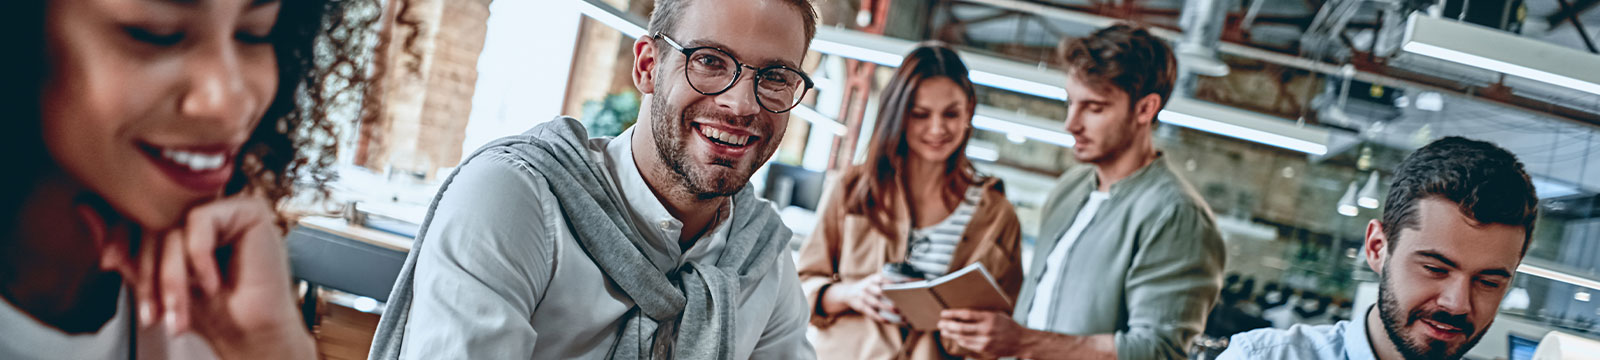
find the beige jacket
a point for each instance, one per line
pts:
(845, 248)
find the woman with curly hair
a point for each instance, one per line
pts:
(155, 139)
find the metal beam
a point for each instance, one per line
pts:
(1566, 12)
(1577, 24)
(1380, 76)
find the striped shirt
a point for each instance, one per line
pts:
(933, 246)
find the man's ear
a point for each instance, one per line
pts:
(1376, 246)
(644, 65)
(1146, 109)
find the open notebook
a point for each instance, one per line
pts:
(969, 288)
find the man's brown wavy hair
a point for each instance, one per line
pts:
(1125, 57)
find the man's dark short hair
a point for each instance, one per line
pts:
(669, 14)
(1486, 183)
(1123, 56)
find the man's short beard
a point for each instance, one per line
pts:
(667, 130)
(1110, 152)
(1389, 312)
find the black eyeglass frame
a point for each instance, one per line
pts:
(738, 72)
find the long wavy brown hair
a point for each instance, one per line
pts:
(870, 195)
(325, 58)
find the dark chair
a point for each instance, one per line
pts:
(793, 185)
(324, 259)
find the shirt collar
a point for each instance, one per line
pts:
(1137, 177)
(651, 217)
(1356, 344)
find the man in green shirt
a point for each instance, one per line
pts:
(1129, 260)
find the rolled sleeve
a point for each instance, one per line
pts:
(1171, 285)
(483, 265)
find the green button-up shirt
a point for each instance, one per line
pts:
(1147, 268)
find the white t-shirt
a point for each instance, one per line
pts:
(23, 338)
(1039, 313)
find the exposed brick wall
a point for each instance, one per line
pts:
(451, 80)
(425, 111)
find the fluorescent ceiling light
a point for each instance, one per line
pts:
(1018, 85)
(1502, 52)
(1012, 124)
(1551, 274)
(855, 52)
(1011, 75)
(985, 70)
(818, 120)
(1010, 128)
(608, 15)
(1240, 132)
(1501, 66)
(1230, 122)
(982, 153)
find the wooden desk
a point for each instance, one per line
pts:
(339, 227)
(344, 333)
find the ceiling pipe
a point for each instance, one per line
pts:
(1531, 106)
(1202, 22)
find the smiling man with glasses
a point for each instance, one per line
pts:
(553, 245)
(712, 71)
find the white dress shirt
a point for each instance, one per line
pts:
(504, 278)
(1345, 340)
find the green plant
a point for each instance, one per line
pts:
(610, 115)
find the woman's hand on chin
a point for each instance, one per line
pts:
(222, 274)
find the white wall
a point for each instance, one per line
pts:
(523, 70)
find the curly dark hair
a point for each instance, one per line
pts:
(1486, 183)
(325, 56)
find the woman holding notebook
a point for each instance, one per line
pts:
(915, 209)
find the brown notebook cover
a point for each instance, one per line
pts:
(921, 301)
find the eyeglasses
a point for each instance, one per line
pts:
(778, 88)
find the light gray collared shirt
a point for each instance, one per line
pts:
(1345, 340)
(1147, 267)
(504, 278)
